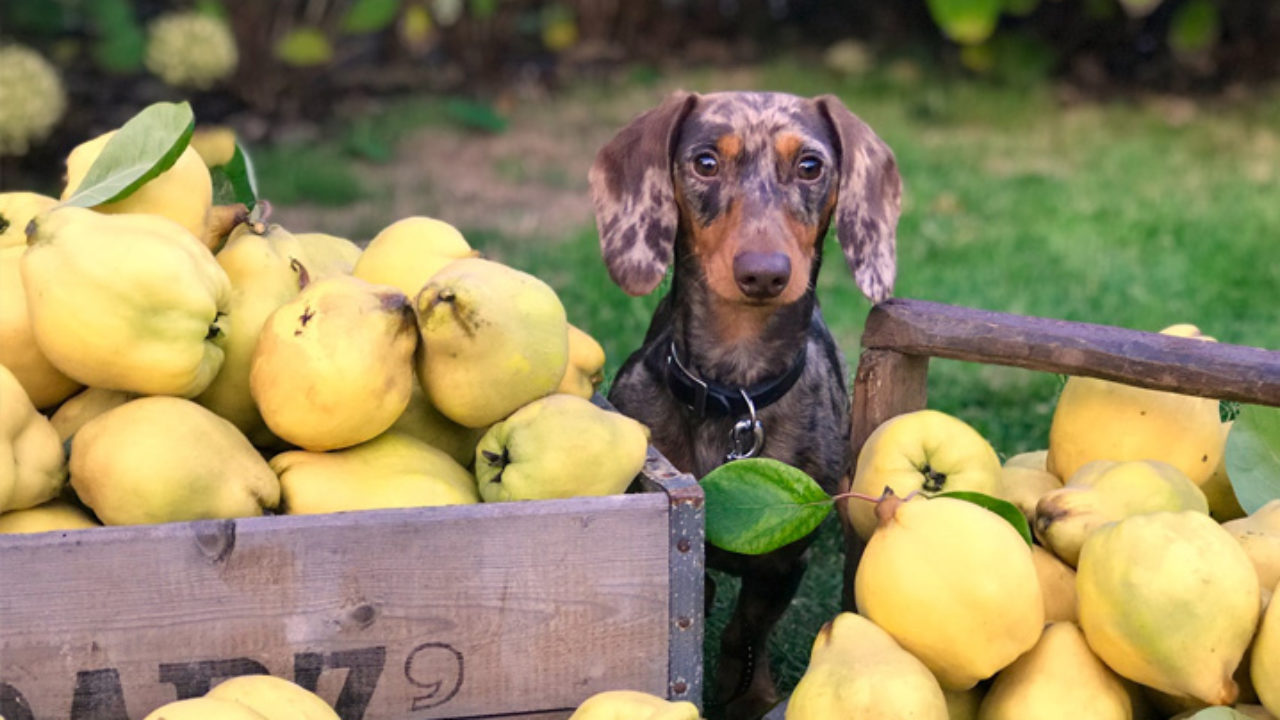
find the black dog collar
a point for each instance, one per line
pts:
(708, 398)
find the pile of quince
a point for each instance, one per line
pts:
(1146, 592)
(164, 359)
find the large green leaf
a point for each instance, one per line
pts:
(758, 504)
(967, 22)
(1003, 508)
(145, 146)
(1253, 456)
(367, 16)
(236, 181)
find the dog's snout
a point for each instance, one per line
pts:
(762, 275)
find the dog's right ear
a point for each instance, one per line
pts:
(634, 196)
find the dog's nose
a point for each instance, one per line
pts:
(761, 275)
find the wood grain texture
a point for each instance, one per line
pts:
(1136, 357)
(462, 612)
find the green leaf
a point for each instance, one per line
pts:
(967, 22)
(367, 16)
(145, 146)
(1195, 27)
(235, 182)
(304, 47)
(1253, 456)
(758, 505)
(1003, 508)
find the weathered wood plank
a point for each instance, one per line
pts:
(431, 613)
(1144, 359)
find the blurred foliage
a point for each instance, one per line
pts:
(302, 61)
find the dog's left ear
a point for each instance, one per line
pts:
(868, 202)
(634, 197)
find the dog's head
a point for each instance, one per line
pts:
(753, 179)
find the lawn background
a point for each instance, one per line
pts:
(1139, 213)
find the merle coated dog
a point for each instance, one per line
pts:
(736, 191)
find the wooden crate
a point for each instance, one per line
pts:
(901, 335)
(511, 610)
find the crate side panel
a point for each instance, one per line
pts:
(389, 614)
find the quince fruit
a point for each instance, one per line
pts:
(164, 459)
(493, 339)
(408, 252)
(1102, 420)
(633, 705)
(926, 451)
(858, 670)
(45, 384)
(33, 467)
(953, 583)
(389, 471)
(1058, 679)
(55, 515)
(1259, 535)
(85, 406)
(267, 270)
(16, 210)
(204, 708)
(328, 255)
(1264, 668)
(1169, 600)
(334, 366)
(273, 698)
(585, 370)
(126, 302)
(560, 446)
(1104, 491)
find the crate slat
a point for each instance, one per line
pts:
(461, 612)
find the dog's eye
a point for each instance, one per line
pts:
(809, 167)
(706, 164)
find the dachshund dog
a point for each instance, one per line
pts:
(735, 192)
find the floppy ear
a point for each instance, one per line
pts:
(634, 197)
(868, 202)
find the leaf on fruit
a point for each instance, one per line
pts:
(366, 16)
(757, 505)
(1253, 456)
(1003, 508)
(236, 181)
(145, 146)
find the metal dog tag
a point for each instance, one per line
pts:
(746, 440)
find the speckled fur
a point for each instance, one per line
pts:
(654, 212)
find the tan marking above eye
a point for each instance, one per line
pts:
(787, 146)
(729, 146)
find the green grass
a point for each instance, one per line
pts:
(1110, 214)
